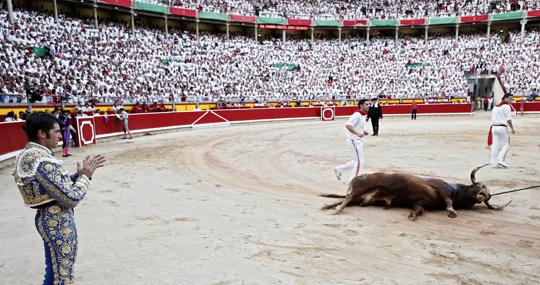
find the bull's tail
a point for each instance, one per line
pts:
(332, 196)
(326, 207)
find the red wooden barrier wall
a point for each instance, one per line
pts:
(12, 137)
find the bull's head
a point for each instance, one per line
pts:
(482, 192)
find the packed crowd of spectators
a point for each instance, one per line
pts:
(354, 9)
(72, 61)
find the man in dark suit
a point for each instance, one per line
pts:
(375, 113)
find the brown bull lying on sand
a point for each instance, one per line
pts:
(407, 190)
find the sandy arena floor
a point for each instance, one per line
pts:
(239, 205)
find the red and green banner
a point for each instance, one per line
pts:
(182, 12)
(354, 23)
(157, 8)
(151, 7)
(243, 19)
(37, 51)
(412, 22)
(213, 16)
(507, 16)
(327, 23)
(443, 21)
(383, 23)
(281, 27)
(119, 3)
(474, 19)
(533, 13)
(299, 22)
(274, 21)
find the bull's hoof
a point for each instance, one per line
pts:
(337, 212)
(451, 213)
(412, 217)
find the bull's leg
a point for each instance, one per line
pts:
(330, 206)
(450, 209)
(368, 198)
(346, 201)
(415, 212)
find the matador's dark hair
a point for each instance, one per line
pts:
(38, 121)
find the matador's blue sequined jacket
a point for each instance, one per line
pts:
(41, 178)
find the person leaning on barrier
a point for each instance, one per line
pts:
(46, 186)
(22, 116)
(123, 116)
(10, 117)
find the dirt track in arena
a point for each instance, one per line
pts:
(239, 205)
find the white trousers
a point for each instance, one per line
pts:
(500, 136)
(357, 163)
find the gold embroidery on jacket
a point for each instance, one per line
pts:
(41, 178)
(57, 228)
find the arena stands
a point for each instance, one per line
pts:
(71, 59)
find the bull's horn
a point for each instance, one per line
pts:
(473, 178)
(497, 207)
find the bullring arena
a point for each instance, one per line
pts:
(239, 205)
(238, 112)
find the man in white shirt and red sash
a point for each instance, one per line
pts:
(501, 119)
(356, 130)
